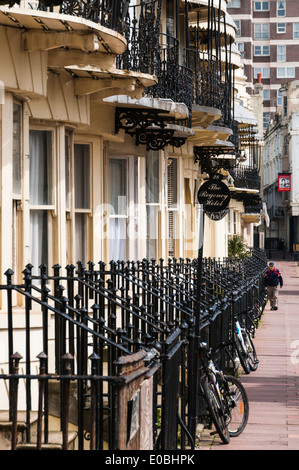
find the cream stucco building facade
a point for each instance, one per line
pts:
(73, 187)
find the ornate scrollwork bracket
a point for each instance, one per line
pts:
(149, 127)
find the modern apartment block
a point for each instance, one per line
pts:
(268, 39)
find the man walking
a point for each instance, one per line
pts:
(271, 280)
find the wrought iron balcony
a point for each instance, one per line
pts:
(152, 52)
(246, 177)
(253, 208)
(111, 14)
(206, 78)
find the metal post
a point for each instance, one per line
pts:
(14, 402)
(68, 366)
(42, 371)
(8, 275)
(94, 400)
(195, 342)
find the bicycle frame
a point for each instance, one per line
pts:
(240, 336)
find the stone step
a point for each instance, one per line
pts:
(55, 438)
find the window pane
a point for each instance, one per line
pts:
(152, 177)
(40, 143)
(281, 27)
(257, 50)
(118, 238)
(291, 72)
(82, 176)
(118, 186)
(80, 237)
(16, 151)
(281, 8)
(38, 238)
(152, 218)
(281, 53)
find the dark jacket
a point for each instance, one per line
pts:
(273, 278)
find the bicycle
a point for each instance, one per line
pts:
(226, 398)
(245, 348)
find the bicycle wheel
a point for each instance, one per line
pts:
(251, 323)
(243, 356)
(238, 405)
(252, 356)
(257, 308)
(215, 408)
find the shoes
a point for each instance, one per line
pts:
(272, 308)
(275, 308)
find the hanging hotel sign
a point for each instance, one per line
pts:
(214, 195)
(284, 182)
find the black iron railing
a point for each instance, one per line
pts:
(142, 35)
(246, 177)
(96, 315)
(150, 51)
(206, 78)
(109, 13)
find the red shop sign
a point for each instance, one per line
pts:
(284, 182)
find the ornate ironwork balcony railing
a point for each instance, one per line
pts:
(253, 209)
(246, 177)
(155, 53)
(109, 13)
(206, 78)
(142, 35)
(174, 80)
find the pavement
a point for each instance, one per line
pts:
(273, 389)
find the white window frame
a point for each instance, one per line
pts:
(264, 6)
(265, 71)
(238, 25)
(288, 72)
(281, 28)
(234, 4)
(261, 31)
(296, 30)
(131, 216)
(85, 212)
(266, 95)
(241, 46)
(155, 207)
(263, 48)
(50, 209)
(281, 53)
(281, 10)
